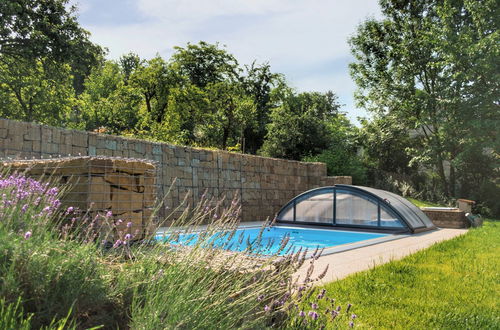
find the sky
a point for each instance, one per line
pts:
(306, 40)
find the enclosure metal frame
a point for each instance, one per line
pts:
(356, 191)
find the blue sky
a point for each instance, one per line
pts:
(304, 39)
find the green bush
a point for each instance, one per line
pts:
(340, 161)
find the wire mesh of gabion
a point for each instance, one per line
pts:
(123, 189)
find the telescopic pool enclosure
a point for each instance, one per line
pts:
(348, 206)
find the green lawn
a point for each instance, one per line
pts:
(420, 203)
(452, 285)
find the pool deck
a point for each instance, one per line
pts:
(345, 263)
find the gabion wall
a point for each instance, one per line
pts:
(263, 184)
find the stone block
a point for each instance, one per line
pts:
(139, 147)
(80, 139)
(122, 180)
(100, 165)
(99, 194)
(27, 146)
(156, 149)
(110, 144)
(32, 133)
(77, 193)
(125, 201)
(133, 166)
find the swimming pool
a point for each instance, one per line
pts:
(246, 239)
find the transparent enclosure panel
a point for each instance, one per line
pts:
(388, 218)
(353, 209)
(315, 208)
(286, 214)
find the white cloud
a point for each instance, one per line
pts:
(174, 10)
(293, 35)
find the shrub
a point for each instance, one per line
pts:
(340, 161)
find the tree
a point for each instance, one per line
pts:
(258, 83)
(384, 141)
(204, 63)
(299, 125)
(47, 29)
(232, 112)
(341, 156)
(36, 90)
(153, 79)
(433, 67)
(108, 101)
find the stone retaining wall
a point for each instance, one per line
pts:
(448, 218)
(262, 184)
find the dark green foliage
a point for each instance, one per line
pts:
(258, 83)
(341, 157)
(47, 29)
(299, 125)
(430, 69)
(341, 161)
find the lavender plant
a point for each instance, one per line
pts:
(54, 259)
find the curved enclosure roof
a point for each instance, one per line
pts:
(355, 207)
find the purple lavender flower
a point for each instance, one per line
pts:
(52, 191)
(259, 298)
(109, 214)
(24, 208)
(117, 243)
(267, 308)
(314, 306)
(27, 235)
(353, 316)
(129, 224)
(351, 324)
(56, 203)
(70, 210)
(302, 314)
(348, 308)
(128, 237)
(313, 315)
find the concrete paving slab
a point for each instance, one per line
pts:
(343, 264)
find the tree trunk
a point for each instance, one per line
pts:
(442, 175)
(452, 180)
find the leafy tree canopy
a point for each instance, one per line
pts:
(432, 66)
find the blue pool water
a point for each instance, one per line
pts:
(245, 239)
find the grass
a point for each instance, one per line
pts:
(451, 285)
(420, 203)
